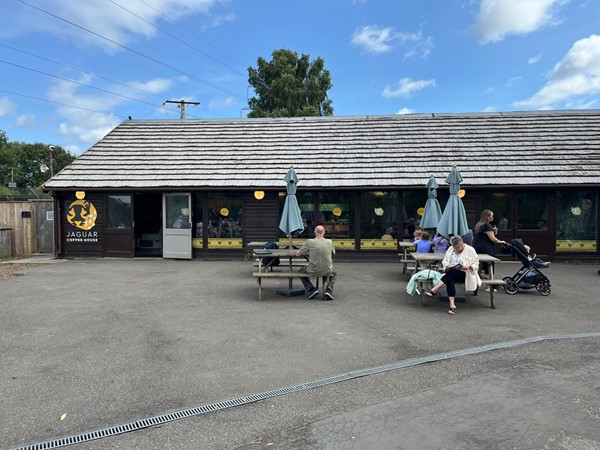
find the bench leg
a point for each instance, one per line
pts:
(259, 288)
(492, 296)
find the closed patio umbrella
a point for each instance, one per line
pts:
(433, 212)
(454, 217)
(291, 223)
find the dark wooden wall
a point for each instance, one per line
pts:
(261, 217)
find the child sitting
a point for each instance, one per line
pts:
(537, 262)
(424, 244)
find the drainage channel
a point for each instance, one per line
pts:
(195, 411)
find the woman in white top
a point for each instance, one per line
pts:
(461, 265)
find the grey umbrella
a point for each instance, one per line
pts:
(433, 212)
(454, 218)
(291, 223)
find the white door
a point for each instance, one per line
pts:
(177, 228)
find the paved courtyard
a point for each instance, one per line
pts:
(93, 344)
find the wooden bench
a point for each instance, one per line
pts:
(408, 265)
(425, 285)
(265, 267)
(286, 275)
(492, 284)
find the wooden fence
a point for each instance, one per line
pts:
(32, 224)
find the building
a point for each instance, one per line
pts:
(200, 188)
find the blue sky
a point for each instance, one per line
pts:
(71, 71)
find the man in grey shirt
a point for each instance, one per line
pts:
(319, 252)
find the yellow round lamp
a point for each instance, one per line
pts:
(337, 212)
(461, 193)
(421, 211)
(259, 195)
(224, 212)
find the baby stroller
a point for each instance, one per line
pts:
(529, 275)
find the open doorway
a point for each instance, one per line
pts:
(148, 224)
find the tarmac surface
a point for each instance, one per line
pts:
(92, 344)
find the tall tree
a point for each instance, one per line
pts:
(26, 164)
(289, 86)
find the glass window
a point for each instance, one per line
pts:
(336, 214)
(500, 204)
(576, 219)
(224, 221)
(532, 211)
(198, 217)
(379, 220)
(178, 211)
(413, 205)
(118, 211)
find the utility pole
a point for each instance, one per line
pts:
(181, 105)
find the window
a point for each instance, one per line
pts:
(225, 212)
(532, 211)
(576, 219)
(501, 204)
(118, 211)
(336, 214)
(413, 204)
(379, 220)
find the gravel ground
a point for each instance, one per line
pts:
(10, 270)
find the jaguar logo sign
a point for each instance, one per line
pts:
(82, 213)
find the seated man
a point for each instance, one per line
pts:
(319, 252)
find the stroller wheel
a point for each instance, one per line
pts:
(543, 288)
(510, 287)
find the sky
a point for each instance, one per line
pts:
(70, 71)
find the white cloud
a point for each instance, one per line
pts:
(7, 106)
(406, 87)
(498, 19)
(375, 39)
(490, 109)
(107, 19)
(217, 21)
(535, 59)
(222, 103)
(25, 121)
(513, 81)
(155, 86)
(576, 75)
(405, 111)
(359, 2)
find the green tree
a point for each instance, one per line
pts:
(289, 86)
(26, 164)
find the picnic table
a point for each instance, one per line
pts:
(407, 264)
(423, 260)
(290, 256)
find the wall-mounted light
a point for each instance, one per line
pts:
(421, 211)
(259, 195)
(224, 212)
(379, 212)
(80, 195)
(461, 193)
(337, 212)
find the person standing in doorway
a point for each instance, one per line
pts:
(319, 252)
(484, 237)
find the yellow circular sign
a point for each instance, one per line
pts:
(224, 212)
(421, 211)
(337, 212)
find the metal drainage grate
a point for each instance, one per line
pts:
(196, 411)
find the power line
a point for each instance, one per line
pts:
(194, 34)
(96, 76)
(135, 51)
(176, 38)
(62, 104)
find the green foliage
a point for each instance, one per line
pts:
(22, 162)
(289, 86)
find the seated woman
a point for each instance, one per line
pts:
(461, 264)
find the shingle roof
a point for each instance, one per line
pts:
(521, 148)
